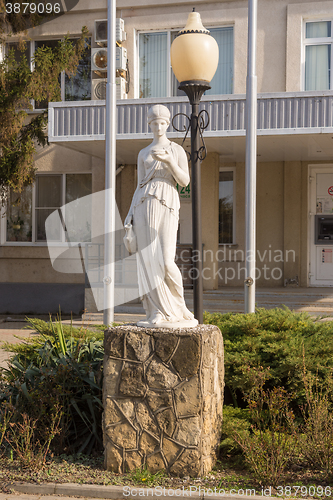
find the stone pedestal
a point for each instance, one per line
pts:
(163, 396)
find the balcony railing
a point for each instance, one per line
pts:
(284, 113)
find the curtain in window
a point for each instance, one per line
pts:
(226, 202)
(153, 54)
(321, 29)
(222, 82)
(48, 199)
(78, 207)
(317, 67)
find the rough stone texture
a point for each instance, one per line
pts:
(112, 369)
(155, 463)
(188, 431)
(114, 344)
(167, 421)
(188, 464)
(186, 359)
(137, 346)
(159, 400)
(133, 460)
(144, 418)
(165, 346)
(123, 435)
(160, 377)
(171, 450)
(112, 414)
(148, 444)
(163, 394)
(131, 380)
(188, 397)
(113, 459)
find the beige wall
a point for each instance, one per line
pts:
(282, 226)
(209, 213)
(280, 27)
(297, 13)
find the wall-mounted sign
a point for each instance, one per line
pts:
(330, 190)
(326, 256)
(184, 192)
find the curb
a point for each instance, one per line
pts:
(69, 489)
(129, 492)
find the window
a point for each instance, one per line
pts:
(28, 211)
(76, 88)
(226, 207)
(318, 55)
(156, 78)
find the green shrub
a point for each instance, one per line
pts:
(233, 418)
(273, 338)
(60, 372)
(317, 431)
(271, 445)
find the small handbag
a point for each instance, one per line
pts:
(130, 239)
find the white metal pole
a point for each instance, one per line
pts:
(251, 160)
(110, 169)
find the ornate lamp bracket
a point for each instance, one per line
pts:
(202, 122)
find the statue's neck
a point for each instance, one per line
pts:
(162, 142)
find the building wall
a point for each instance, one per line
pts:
(282, 238)
(31, 263)
(281, 209)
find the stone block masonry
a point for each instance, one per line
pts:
(163, 398)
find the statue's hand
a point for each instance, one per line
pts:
(164, 156)
(128, 220)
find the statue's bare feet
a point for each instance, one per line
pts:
(156, 318)
(187, 314)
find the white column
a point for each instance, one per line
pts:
(110, 169)
(251, 160)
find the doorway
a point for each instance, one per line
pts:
(321, 226)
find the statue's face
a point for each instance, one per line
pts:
(159, 126)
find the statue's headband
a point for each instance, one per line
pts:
(158, 111)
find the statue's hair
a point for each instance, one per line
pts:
(158, 111)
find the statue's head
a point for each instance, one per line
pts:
(158, 111)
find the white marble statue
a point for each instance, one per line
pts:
(154, 214)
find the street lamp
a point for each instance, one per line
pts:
(194, 60)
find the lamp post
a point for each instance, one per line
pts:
(194, 60)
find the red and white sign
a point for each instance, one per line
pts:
(330, 190)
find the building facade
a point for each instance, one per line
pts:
(295, 145)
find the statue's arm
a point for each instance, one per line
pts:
(177, 166)
(140, 175)
(180, 171)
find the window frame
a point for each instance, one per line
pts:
(34, 243)
(315, 42)
(233, 170)
(169, 68)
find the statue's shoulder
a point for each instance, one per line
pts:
(178, 149)
(143, 152)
